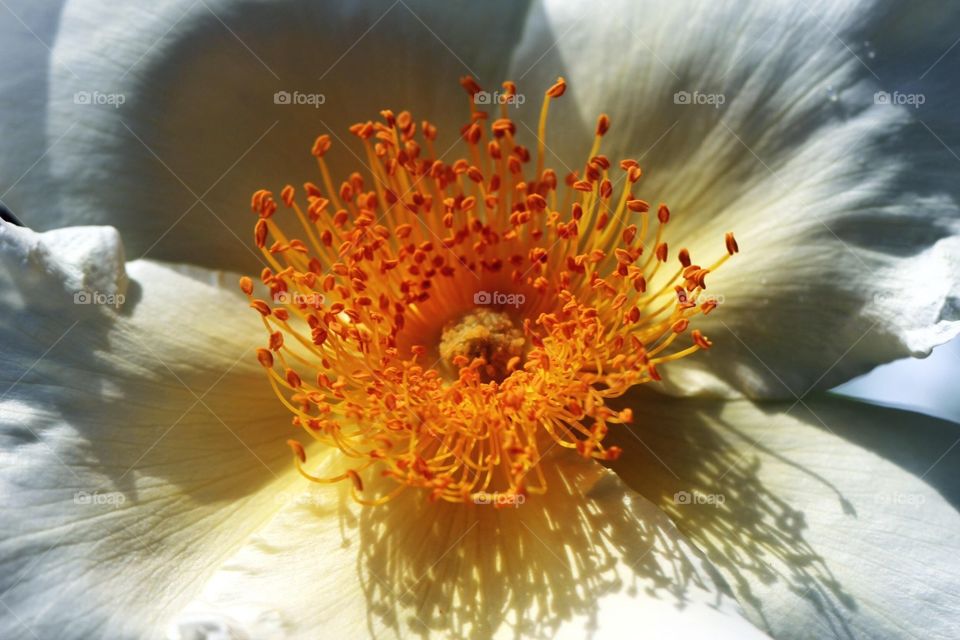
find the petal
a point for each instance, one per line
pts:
(845, 209)
(830, 518)
(27, 33)
(589, 557)
(137, 445)
(927, 386)
(187, 126)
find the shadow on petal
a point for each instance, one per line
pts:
(139, 398)
(705, 473)
(474, 570)
(201, 126)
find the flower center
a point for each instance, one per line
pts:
(446, 325)
(491, 337)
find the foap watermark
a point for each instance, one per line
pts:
(498, 298)
(699, 98)
(711, 298)
(885, 298)
(99, 98)
(299, 98)
(109, 498)
(900, 499)
(297, 298)
(896, 98)
(701, 298)
(495, 97)
(99, 298)
(499, 499)
(310, 499)
(695, 497)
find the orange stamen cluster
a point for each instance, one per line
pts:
(359, 300)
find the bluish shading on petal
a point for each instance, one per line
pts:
(28, 32)
(138, 441)
(925, 385)
(167, 136)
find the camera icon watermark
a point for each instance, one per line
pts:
(99, 298)
(498, 298)
(298, 98)
(97, 98)
(682, 498)
(495, 97)
(896, 98)
(715, 100)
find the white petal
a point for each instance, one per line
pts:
(590, 558)
(188, 127)
(27, 33)
(138, 444)
(845, 210)
(828, 519)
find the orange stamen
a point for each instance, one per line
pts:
(546, 312)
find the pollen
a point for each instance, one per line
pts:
(487, 340)
(445, 324)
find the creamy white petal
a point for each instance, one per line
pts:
(138, 443)
(845, 210)
(831, 519)
(588, 559)
(182, 125)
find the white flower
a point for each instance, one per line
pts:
(143, 472)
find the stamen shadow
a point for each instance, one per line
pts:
(751, 535)
(474, 570)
